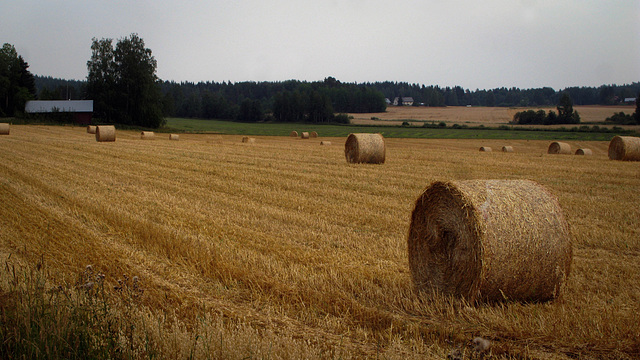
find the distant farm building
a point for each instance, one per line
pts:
(81, 111)
(406, 101)
(629, 100)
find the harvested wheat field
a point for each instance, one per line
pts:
(208, 248)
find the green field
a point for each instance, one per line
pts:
(284, 129)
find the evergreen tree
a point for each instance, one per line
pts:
(17, 84)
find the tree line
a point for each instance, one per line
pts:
(17, 84)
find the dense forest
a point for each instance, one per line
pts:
(294, 100)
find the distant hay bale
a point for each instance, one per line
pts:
(325, 142)
(91, 129)
(4, 128)
(559, 148)
(489, 240)
(587, 152)
(365, 148)
(626, 148)
(147, 135)
(486, 149)
(508, 149)
(174, 137)
(313, 134)
(294, 134)
(105, 133)
(304, 135)
(247, 139)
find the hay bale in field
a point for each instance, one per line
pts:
(4, 128)
(174, 137)
(294, 134)
(489, 240)
(559, 148)
(365, 148)
(587, 152)
(313, 134)
(147, 135)
(246, 139)
(508, 149)
(625, 148)
(105, 133)
(325, 142)
(304, 135)
(91, 129)
(485, 149)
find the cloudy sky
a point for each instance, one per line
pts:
(474, 44)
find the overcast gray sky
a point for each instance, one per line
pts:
(474, 44)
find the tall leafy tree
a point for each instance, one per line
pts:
(636, 114)
(17, 84)
(566, 114)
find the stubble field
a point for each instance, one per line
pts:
(280, 249)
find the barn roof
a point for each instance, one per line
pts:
(70, 106)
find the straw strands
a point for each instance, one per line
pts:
(147, 135)
(508, 149)
(365, 148)
(626, 148)
(485, 149)
(587, 152)
(174, 137)
(559, 148)
(489, 240)
(105, 133)
(91, 129)
(4, 128)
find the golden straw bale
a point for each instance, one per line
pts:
(174, 137)
(147, 135)
(105, 133)
(246, 139)
(625, 148)
(304, 135)
(508, 149)
(365, 148)
(4, 128)
(587, 152)
(313, 134)
(559, 148)
(91, 129)
(294, 134)
(489, 240)
(325, 142)
(486, 149)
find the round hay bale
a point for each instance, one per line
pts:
(365, 148)
(313, 134)
(105, 133)
(489, 240)
(587, 152)
(559, 148)
(147, 135)
(508, 149)
(4, 129)
(486, 149)
(247, 139)
(174, 137)
(325, 142)
(626, 148)
(294, 134)
(91, 129)
(304, 135)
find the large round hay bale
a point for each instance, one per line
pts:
(147, 135)
(485, 149)
(294, 134)
(174, 137)
(91, 129)
(559, 148)
(246, 139)
(625, 148)
(587, 152)
(365, 148)
(304, 135)
(325, 142)
(4, 128)
(105, 133)
(489, 240)
(508, 149)
(313, 134)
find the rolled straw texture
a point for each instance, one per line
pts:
(625, 148)
(105, 133)
(587, 152)
(147, 135)
(304, 135)
(91, 129)
(174, 137)
(325, 142)
(4, 128)
(489, 240)
(507, 149)
(313, 134)
(247, 139)
(486, 149)
(365, 148)
(559, 148)
(294, 134)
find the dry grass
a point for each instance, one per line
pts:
(284, 250)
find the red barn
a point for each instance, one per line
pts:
(82, 110)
